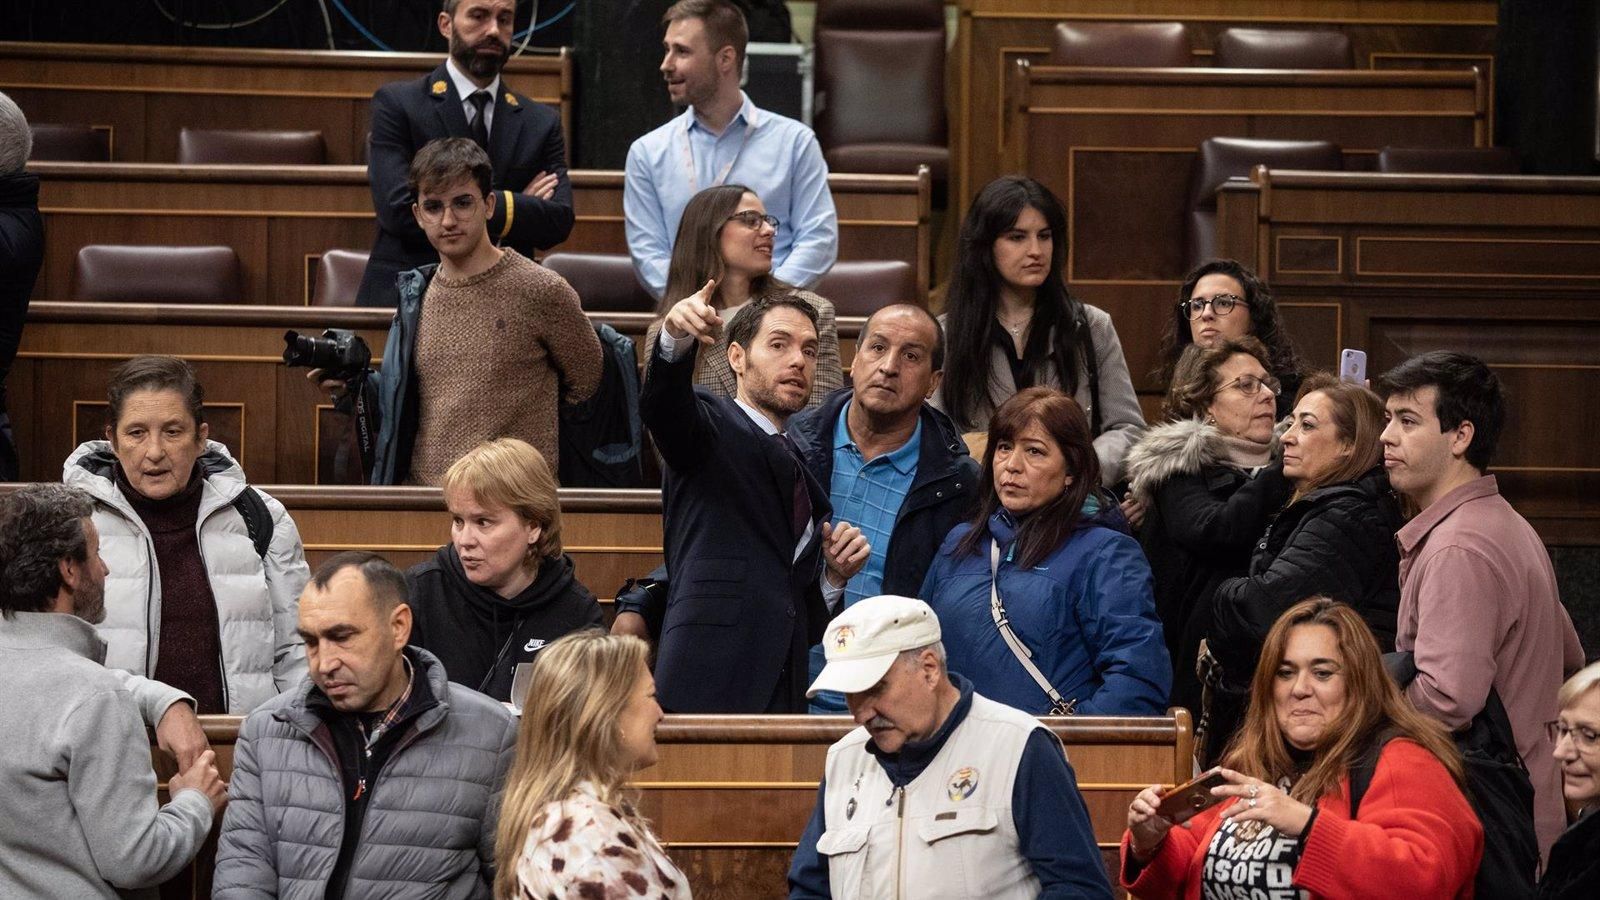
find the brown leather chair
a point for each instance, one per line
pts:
(1219, 159)
(338, 277)
(861, 287)
(1263, 48)
(205, 146)
(1448, 160)
(604, 281)
(120, 273)
(70, 143)
(1137, 44)
(880, 86)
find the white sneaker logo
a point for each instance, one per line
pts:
(532, 645)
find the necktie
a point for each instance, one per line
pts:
(800, 510)
(479, 125)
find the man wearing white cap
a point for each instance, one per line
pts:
(941, 793)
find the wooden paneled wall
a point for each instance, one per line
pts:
(1504, 267)
(730, 795)
(993, 34)
(280, 219)
(143, 96)
(1118, 147)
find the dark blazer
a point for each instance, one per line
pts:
(942, 494)
(524, 140)
(741, 612)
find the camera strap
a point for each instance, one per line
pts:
(1058, 705)
(364, 397)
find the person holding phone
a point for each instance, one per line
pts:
(502, 588)
(1335, 787)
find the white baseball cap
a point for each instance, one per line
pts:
(862, 642)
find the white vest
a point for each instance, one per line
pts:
(949, 835)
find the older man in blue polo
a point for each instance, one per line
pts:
(940, 792)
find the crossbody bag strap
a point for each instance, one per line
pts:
(1058, 706)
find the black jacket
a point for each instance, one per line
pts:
(524, 140)
(1573, 872)
(21, 256)
(1203, 518)
(1338, 542)
(479, 636)
(941, 495)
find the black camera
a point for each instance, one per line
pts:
(340, 353)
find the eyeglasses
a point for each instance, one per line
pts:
(432, 210)
(749, 218)
(1250, 385)
(1221, 304)
(1585, 738)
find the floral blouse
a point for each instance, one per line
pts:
(583, 847)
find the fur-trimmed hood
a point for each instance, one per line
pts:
(1184, 447)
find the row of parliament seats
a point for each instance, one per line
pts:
(61, 142)
(1168, 45)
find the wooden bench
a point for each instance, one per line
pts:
(280, 426)
(1504, 267)
(280, 219)
(1118, 146)
(730, 795)
(993, 34)
(143, 96)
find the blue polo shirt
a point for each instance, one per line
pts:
(868, 495)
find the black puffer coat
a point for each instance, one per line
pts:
(1574, 869)
(1338, 542)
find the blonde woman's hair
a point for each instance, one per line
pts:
(1582, 682)
(1358, 419)
(569, 734)
(511, 473)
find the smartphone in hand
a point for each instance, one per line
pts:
(1353, 366)
(1183, 802)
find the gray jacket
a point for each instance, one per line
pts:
(78, 810)
(257, 598)
(1121, 420)
(429, 830)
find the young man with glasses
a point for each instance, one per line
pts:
(1479, 607)
(485, 344)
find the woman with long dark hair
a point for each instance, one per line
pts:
(1010, 323)
(726, 236)
(1048, 548)
(1221, 300)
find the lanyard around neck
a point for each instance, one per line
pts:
(688, 154)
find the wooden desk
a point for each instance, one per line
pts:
(280, 219)
(1504, 267)
(1118, 146)
(145, 95)
(993, 34)
(730, 795)
(279, 426)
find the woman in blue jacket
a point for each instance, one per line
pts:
(1044, 599)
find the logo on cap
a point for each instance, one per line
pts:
(842, 637)
(963, 782)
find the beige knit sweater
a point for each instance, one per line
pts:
(496, 355)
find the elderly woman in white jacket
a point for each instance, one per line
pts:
(206, 571)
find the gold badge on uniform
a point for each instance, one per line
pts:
(963, 782)
(511, 99)
(439, 87)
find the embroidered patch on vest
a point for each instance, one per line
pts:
(963, 782)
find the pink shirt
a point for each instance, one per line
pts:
(1479, 607)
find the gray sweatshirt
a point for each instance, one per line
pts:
(78, 810)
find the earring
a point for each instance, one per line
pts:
(1211, 420)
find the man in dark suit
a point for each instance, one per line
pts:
(465, 97)
(757, 569)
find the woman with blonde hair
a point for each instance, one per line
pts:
(502, 588)
(1323, 716)
(1573, 871)
(1335, 538)
(566, 830)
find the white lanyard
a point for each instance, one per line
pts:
(688, 155)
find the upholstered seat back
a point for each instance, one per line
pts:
(861, 287)
(129, 273)
(1131, 44)
(338, 277)
(1219, 159)
(1448, 160)
(70, 143)
(203, 146)
(1264, 48)
(604, 281)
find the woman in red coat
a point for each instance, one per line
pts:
(1319, 701)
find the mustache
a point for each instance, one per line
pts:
(879, 722)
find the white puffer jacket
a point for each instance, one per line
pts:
(257, 599)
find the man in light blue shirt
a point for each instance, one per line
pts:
(723, 138)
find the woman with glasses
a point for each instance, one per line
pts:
(1335, 538)
(725, 236)
(1010, 323)
(1573, 871)
(1222, 300)
(1207, 482)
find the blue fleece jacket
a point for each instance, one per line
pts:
(1053, 829)
(1087, 612)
